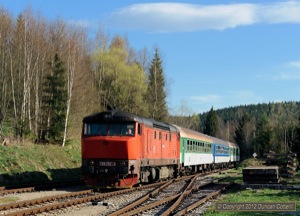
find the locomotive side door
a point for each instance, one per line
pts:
(146, 142)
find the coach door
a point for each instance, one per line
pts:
(182, 150)
(214, 153)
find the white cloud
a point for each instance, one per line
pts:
(288, 75)
(290, 71)
(281, 12)
(177, 17)
(294, 64)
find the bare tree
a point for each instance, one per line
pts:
(143, 58)
(75, 53)
(41, 56)
(6, 28)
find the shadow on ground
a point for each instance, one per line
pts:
(40, 177)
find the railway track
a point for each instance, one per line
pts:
(37, 187)
(50, 203)
(16, 190)
(161, 198)
(165, 192)
(192, 203)
(174, 198)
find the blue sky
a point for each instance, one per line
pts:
(215, 53)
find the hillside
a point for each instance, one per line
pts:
(283, 111)
(259, 128)
(21, 164)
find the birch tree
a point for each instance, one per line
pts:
(6, 28)
(76, 42)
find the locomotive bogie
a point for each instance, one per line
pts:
(151, 174)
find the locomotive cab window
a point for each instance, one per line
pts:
(109, 129)
(95, 129)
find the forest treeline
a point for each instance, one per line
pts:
(53, 73)
(256, 128)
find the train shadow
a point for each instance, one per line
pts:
(37, 177)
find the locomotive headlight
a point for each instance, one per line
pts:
(122, 163)
(92, 162)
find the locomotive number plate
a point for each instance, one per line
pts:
(107, 163)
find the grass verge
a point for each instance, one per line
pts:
(22, 164)
(256, 195)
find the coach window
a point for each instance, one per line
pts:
(159, 135)
(154, 134)
(166, 137)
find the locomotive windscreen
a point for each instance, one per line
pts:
(109, 129)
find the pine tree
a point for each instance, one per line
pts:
(296, 141)
(211, 122)
(264, 141)
(241, 137)
(54, 102)
(156, 95)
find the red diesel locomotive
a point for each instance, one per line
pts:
(120, 149)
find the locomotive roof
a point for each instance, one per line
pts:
(120, 116)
